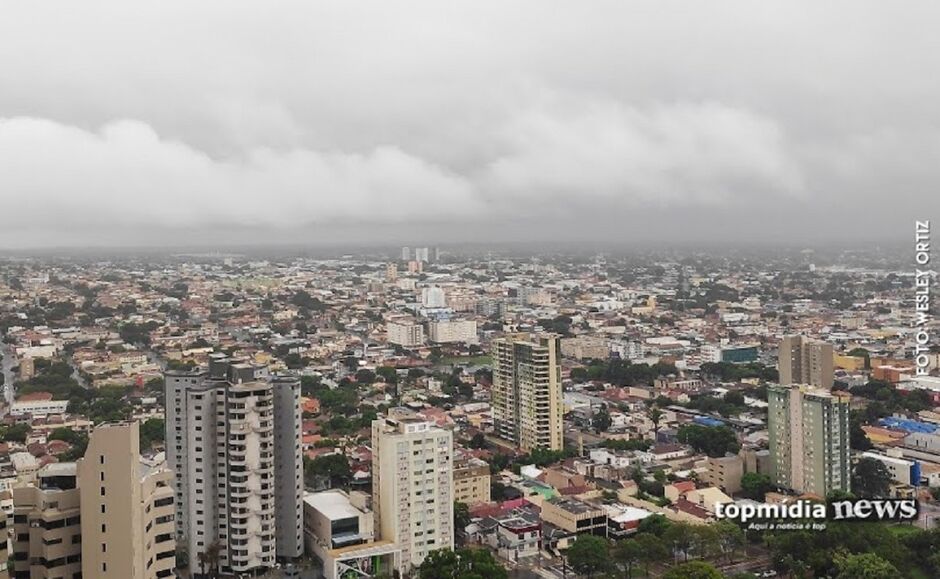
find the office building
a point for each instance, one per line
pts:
(412, 485)
(406, 254)
(339, 530)
(47, 531)
(233, 440)
(526, 395)
(421, 254)
(405, 332)
(805, 361)
(809, 438)
(127, 510)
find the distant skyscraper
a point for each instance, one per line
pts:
(406, 254)
(437, 255)
(526, 393)
(391, 272)
(805, 361)
(809, 438)
(421, 254)
(412, 485)
(233, 439)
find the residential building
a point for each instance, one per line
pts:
(453, 331)
(412, 485)
(725, 473)
(526, 394)
(47, 532)
(233, 439)
(433, 298)
(127, 508)
(805, 361)
(471, 481)
(4, 543)
(809, 438)
(405, 333)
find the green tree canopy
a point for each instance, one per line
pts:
(589, 555)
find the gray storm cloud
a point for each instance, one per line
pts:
(521, 120)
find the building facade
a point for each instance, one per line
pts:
(471, 481)
(405, 333)
(805, 361)
(453, 331)
(809, 439)
(412, 485)
(526, 394)
(127, 512)
(233, 440)
(47, 532)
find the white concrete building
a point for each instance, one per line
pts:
(405, 333)
(233, 438)
(39, 408)
(453, 331)
(412, 485)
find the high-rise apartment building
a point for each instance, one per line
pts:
(412, 485)
(805, 361)
(4, 546)
(526, 395)
(809, 438)
(110, 515)
(47, 531)
(422, 254)
(406, 254)
(126, 507)
(405, 332)
(233, 440)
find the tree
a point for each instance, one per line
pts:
(755, 485)
(151, 430)
(865, 566)
(730, 538)
(655, 415)
(654, 524)
(714, 441)
(681, 537)
(461, 564)
(626, 554)
(693, 570)
(478, 441)
(588, 555)
(870, 478)
(334, 467)
(601, 419)
(858, 440)
(461, 516)
(652, 547)
(209, 559)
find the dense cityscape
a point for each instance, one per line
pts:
(441, 412)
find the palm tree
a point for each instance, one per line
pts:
(209, 560)
(655, 415)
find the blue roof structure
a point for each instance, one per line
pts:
(908, 425)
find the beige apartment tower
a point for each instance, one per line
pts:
(127, 508)
(47, 533)
(412, 485)
(526, 396)
(805, 361)
(809, 439)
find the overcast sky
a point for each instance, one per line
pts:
(174, 122)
